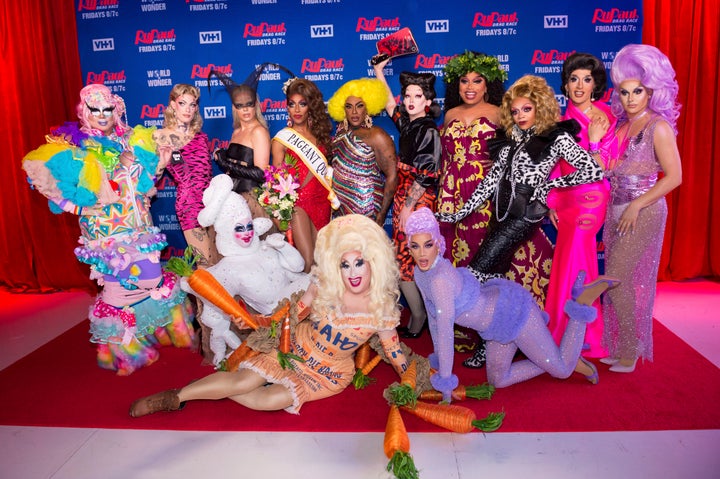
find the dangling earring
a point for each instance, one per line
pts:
(310, 122)
(290, 123)
(486, 97)
(345, 125)
(367, 123)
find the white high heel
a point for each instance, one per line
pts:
(619, 368)
(609, 360)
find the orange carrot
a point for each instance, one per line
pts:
(367, 369)
(361, 379)
(284, 355)
(209, 288)
(409, 377)
(242, 353)
(284, 346)
(460, 393)
(362, 355)
(450, 416)
(397, 447)
(403, 394)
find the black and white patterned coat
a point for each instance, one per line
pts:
(528, 159)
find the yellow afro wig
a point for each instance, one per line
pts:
(371, 90)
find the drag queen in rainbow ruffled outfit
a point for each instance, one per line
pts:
(104, 172)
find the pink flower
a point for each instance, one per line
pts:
(286, 186)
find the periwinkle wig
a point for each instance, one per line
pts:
(422, 220)
(653, 70)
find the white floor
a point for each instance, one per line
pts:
(691, 309)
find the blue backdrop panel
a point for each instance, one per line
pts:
(140, 48)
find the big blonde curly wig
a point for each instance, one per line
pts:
(356, 233)
(371, 90)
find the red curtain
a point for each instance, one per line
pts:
(687, 32)
(39, 80)
(41, 77)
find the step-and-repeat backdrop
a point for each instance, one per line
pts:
(141, 48)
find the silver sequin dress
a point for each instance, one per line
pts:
(633, 258)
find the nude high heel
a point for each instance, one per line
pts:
(621, 368)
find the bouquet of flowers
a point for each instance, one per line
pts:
(279, 193)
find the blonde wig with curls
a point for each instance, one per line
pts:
(536, 89)
(177, 91)
(371, 90)
(356, 233)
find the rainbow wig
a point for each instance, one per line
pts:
(371, 90)
(653, 70)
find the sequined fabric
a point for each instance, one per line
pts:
(503, 313)
(357, 180)
(634, 258)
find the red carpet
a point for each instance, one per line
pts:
(60, 385)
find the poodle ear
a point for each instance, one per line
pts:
(214, 197)
(262, 225)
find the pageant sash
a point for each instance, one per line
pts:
(313, 159)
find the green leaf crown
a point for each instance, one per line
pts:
(485, 65)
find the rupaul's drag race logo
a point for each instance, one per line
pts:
(495, 23)
(549, 61)
(93, 9)
(615, 20)
(377, 28)
(264, 34)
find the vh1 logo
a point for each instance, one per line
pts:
(210, 37)
(555, 21)
(211, 112)
(321, 31)
(437, 26)
(103, 44)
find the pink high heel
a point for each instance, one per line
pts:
(588, 293)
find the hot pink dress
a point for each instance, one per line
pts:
(581, 213)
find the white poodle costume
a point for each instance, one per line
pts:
(261, 272)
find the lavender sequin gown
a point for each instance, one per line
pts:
(633, 258)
